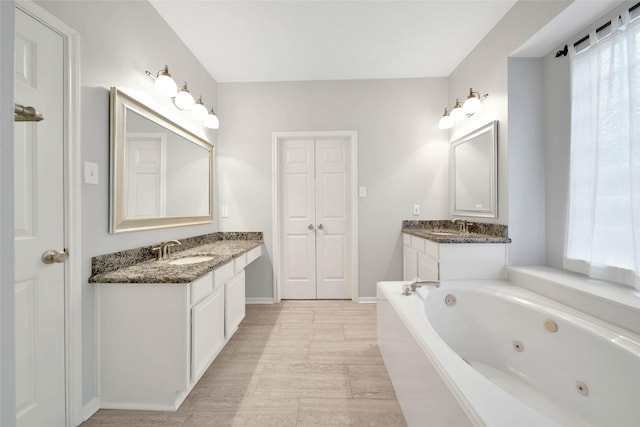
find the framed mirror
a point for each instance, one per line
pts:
(161, 174)
(474, 173)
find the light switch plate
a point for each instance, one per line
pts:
(416, 210)
(224, 211)
(362, 191)
(91, 173)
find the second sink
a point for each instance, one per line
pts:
(191, 260)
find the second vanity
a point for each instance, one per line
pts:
(161, 323)
(438, 250)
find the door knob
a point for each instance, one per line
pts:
(320, 227)
(310, 226)
(52, 256)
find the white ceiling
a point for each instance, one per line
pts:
(250, 41)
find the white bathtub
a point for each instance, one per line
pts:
(490, 360)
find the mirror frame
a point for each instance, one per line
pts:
(492, 211)
(119, 104)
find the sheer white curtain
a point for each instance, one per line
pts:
(603, 237)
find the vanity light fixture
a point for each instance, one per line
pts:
(211, 120)
(445, 121)
(457, 113)
(461, 111)
(472, 105)
(182, 99)
(165, 85)
(199, 111)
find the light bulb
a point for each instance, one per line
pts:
(457, 113)
(472, 105)
(165, 85)
(211, 120)
(199, 111)
(445, 121)
(183, 99)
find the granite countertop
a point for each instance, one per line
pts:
(442, 231)
(153, 271)
(453, 236)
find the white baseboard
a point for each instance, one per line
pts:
(367, 300)
(90, 408)
(258, 300)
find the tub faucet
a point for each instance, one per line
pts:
(407, 289)
(164, 249)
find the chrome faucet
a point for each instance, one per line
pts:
(417, 283)
(164, 249)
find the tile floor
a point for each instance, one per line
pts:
(298, 363)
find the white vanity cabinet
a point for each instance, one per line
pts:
(452, 261)
(207, 328)
(157, 340)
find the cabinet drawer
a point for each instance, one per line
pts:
(417, 243)
(239, 263)
(254, 254)
(432, 249)
(223, 273)
(201, 287)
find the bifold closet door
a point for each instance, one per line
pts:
(314, 187)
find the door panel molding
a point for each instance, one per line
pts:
(72, 207)
(336, 157)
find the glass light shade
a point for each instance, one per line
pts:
(165, 85)
(445, 122)
(457, 113)
(211, 120)
(472, 105)
(199, 111)
(183, 99)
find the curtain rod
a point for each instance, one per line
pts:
(565, 51)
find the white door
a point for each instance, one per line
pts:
(39, 219)
(315, 189)
(146, 186)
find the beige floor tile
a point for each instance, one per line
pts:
(370, 382)
(311, 332)
(348, 352)
(276, 318)
(298, 363)
(345, 317)
(254, 412)
(350, 412)
(117, 417)
(303, 380)
(360, 332)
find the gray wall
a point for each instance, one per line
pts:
(557, 126)
(119, 41)
(402, 159)
(487, 70)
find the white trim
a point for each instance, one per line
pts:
(259, 300)
(368, 300)
(73, 208)
(353, 143)
(90, 409)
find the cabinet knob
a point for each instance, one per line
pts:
(310, 226)
(320, 227)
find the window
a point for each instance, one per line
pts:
(603, 237)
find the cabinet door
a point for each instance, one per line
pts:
(207, 332)
(234, 304)
(409, 263)
(428, 268)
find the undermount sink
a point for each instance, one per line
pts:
(444, 233)
(191, 260)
